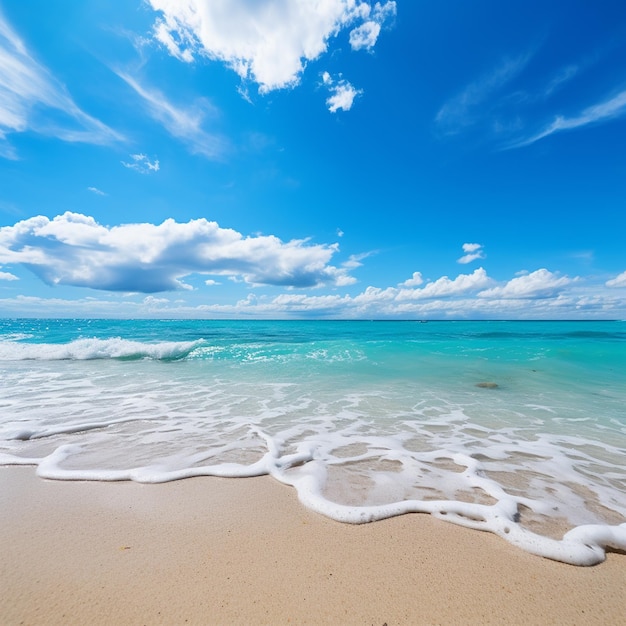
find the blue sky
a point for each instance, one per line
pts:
(269, 158)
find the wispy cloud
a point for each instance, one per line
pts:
(29, 94)
(142, 164)
(563, 76)
(97, 191)
(182, 123)
(605, 111)
(498, 108)
(469, 106)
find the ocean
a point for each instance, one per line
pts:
(516, 428)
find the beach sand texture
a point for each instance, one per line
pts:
(245, 551)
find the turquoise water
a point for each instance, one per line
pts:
(518, 428)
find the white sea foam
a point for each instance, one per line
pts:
(356, 454)
(15, 336)
(92, 348)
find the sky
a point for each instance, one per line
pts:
(313, 159)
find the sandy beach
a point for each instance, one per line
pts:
(245, 551)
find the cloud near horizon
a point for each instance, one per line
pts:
(618, 281)
(73, 249)
(537, 295)
(538, 284)
(268, 42)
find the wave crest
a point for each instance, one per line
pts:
(92, 348)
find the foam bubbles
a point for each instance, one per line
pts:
(93, 348)
(361, 431)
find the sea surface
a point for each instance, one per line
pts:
(517, 428)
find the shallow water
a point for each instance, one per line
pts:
(518, 428)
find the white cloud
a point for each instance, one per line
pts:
(97, 191)
(580, 299)
(384, 12)
(472, 251)
(603, 112)
(444, 287)
(618, 281)
(471, 247)
(266, 41)
(342, 93)
(183, 123)
(210, 282)
(73, 249)
(538, 284)
(415, 281)
(29, 93)
(8, 276)
(142, 164)
(343, 97)
(151, 301)
(364, 36)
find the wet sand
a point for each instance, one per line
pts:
(245, 551)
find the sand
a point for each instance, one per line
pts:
(245, 551)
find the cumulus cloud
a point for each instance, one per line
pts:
(74, 249)
(365, 36)
(577, 300)
(183, 123)
(142, 164)
(31, 99)
(415, 281)
(266, 41)
(538, 284)
(444, 287)
(618, 281)
(472, 251)
(342, 93)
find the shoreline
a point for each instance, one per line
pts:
(245, 551)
